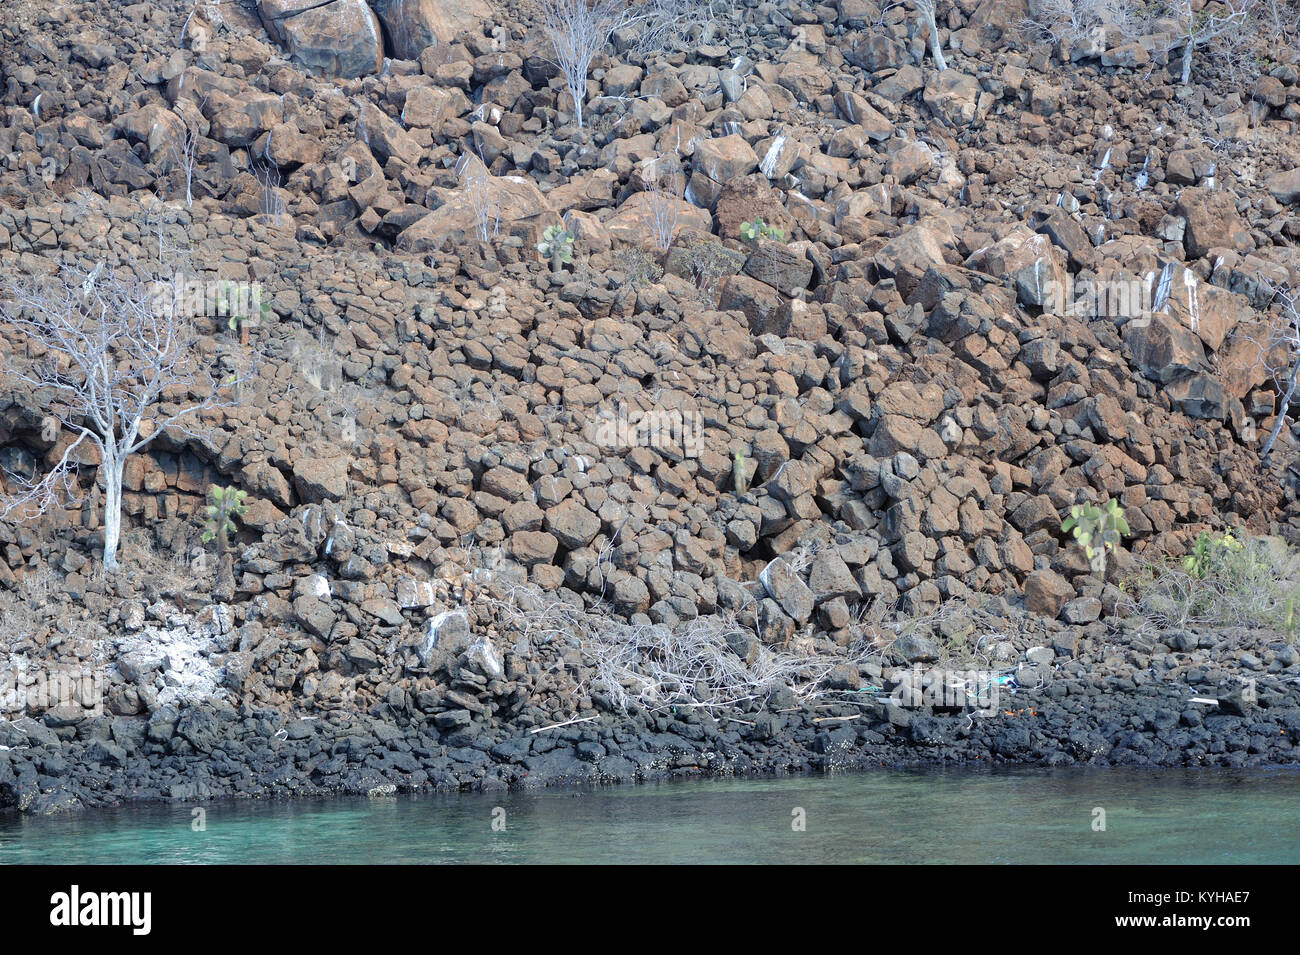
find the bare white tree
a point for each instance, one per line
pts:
(186, 149)
(112, 360)
(1284, 340)
(926, 9)
(1211, 24)
(1282, 18)
(663, 179)
(577, 31)
(481, 189)
(267, 175)
(1071, 21)
(669, 26)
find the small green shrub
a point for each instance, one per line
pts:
(1098, 530)
(556, 245)
(1212, 554)
(225, 505)
(758, 229)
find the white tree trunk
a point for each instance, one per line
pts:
(578, 92)
(935, 50)
(112, 468)
(1280, 420)
(1187, 62)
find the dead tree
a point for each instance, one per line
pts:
(577, 31)
(1284, 338)
(926, 9)
(112, 359)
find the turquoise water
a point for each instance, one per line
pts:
(1020, 816)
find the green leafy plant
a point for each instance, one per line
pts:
(758, 229)
(1098, 530)
(225, 505)
(556, 245)
(236, 319)
(738, 473)
(1211, 553)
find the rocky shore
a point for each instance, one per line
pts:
(1096, 696)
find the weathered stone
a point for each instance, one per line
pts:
(339, 38)
(1212, 221)
(1163, 349)
(1285, 186)
(787, 588)
(413, 25)
(1046, 592)
(321, 479)
(515, 207)
(830, 578)
(572, 524)
(778, 265)
(725, 158)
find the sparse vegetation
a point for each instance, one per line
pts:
(758, 229)
(1226, 581)
(709, 263)
(225, 505)
(638, 266)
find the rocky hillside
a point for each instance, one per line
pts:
(903, 370)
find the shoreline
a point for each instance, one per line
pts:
(211, 752)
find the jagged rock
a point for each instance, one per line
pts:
(874, 125)
(1046, 592)
(916, 648)
(1212, 221)
(321, 479)
(385, 138)
(1199, 396)
(643, 215)
(830, 578)
(315, 615)
(572, 524)
(339, 37)
(415, 593)
(760, 303)
(786, 587)
(515, 207)
(413, 25)
(1285, 186)
(1209, 311)
(427, 107)
(724, 159)
(954, 97)
(776, 264)
(1163, 349)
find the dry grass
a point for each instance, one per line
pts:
(1256, 586)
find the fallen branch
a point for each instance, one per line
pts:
(581, 719)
